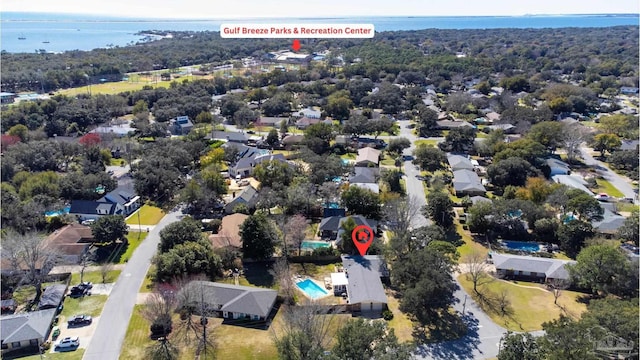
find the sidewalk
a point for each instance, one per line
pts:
(61, 269)
(141, 228)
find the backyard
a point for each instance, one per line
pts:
(530, 304)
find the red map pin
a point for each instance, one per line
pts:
(362, 237)
(296, 45)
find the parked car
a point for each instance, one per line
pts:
(85, 284)
(77, 292)
(603, 197)
(68, 343)
(243, 182)
(80, 320)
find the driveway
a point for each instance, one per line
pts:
(481, 341)
(619, 182)
(114, 320)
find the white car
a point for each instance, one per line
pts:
(68, 343)
(603, 197)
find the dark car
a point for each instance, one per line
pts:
(80, 320)
(78, 291)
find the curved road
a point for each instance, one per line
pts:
(106, 341)
(619, 182)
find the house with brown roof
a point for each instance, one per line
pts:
(368, 156)
(229, 233)
(71, 242)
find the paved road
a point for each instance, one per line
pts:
(114, 320)
(414, 186)
(481, 341)
(619, 182)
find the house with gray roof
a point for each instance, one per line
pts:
(121, 201)
(233, 302)
(252, 157)
(25, 330)
(364, 175)
(248, 196)
(629, 145)
(330, 227)
(609, 224)
(467, 182)
(558, 167)
(453, 124)
(459, 162)
(364, 274)
(573, 181)
(308, 113)
(181, 125)
(229, 136)
(508, 265)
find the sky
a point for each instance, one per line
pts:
(239, 9)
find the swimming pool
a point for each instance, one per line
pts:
(58, 212)
(311, 289)
(312, 245)
(521, 245)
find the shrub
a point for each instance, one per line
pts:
(387, 315)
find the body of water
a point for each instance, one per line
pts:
(30, 32)
(521, 245)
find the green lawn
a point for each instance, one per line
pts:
(135, 238)
(95, 277)
(530, 305)
(117, 162)
(401, 324)
(433, 143)
(348, 156)
(469, 245)
(149, 215)
(147, 283)
(388, 161)
(87, 305)
(137, 338)
(606, 187)
(69, 355)
(626, 207)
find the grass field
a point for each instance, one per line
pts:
(606, 187)
(469, 245)
(401, 324)
(137, 337)
(149, 215)
(135, 238)
(530, 304)
(426, 142)
(70, 355)
(147, 283)
(95, 277)
(86, 305)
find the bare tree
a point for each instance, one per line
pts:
(193, 300)
(282, 274)
(29, 254)
(294, 231)
(556, 286)
(158, 309)
(105, 268)
(304, 333)
(476, 268)
(162, 350)
(400, 212)
(574, 136)
(84, 262)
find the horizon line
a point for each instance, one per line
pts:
(150, 18)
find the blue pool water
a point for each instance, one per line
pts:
(312, 245)
(521, 245)
(312, 289)
(58, 212)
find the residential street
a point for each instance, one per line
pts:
(482, 339)
(114, 320)
(619, 182)
(414, 186)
